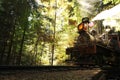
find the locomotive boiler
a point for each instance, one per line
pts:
(91, 50)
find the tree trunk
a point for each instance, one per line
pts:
(10, 47)
(21, 47)
(2, 52)
(35, 49)
(42, 49)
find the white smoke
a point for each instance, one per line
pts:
(87, 7)
(112, 13)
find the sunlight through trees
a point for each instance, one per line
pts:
(37, 32)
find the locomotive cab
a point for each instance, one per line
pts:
(114, 42)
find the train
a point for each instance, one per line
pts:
(91, 50)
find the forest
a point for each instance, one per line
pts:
(37, 32)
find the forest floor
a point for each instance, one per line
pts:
(50, 75)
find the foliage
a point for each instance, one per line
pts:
(30, 28)
(113, 1)
(13, 26)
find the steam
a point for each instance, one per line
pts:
(112, 13)
(111, 17)
(87, 7)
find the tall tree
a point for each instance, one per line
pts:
(14, 14)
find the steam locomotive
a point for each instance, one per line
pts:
(91, 50)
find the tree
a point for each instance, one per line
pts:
(31, 31)
(11, 19)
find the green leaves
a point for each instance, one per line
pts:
(28, 28)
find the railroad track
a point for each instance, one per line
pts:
(42, 68)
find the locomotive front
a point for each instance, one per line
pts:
(84, 47)
(86, 50)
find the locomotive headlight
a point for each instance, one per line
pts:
(107, 30)
(86, 24)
